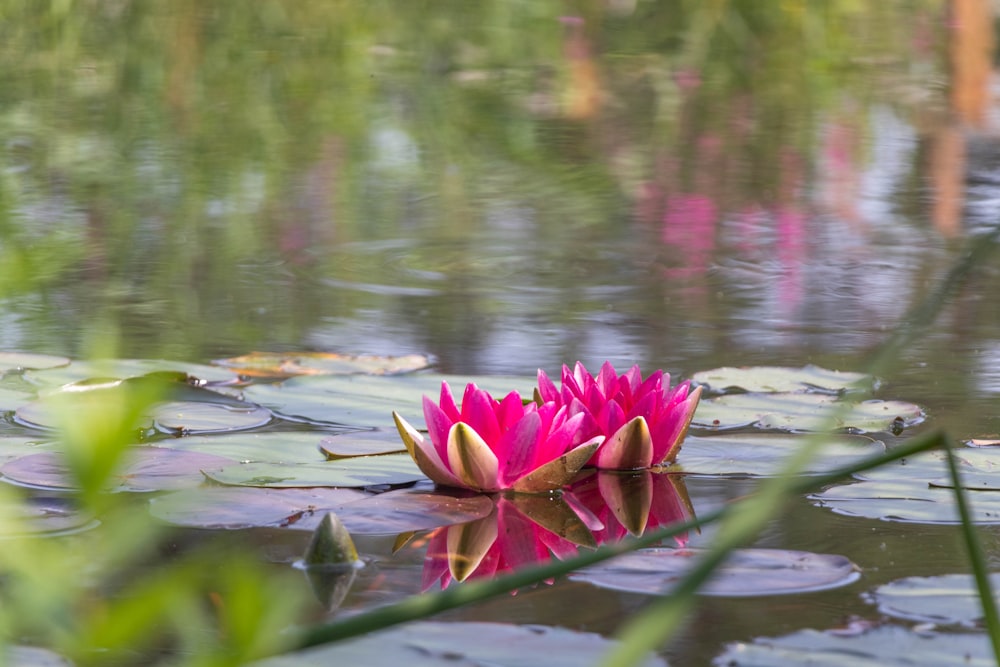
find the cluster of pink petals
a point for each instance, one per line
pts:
(644, 421)
(490, 445)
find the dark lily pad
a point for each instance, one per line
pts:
(412, 509)
(368, 401)
(903, 491)
(23, 361)
(46, 516)
(385, 513)
(361, 443)
(358, 471)
(12, 447)
(779, 379)
(32, 656)
(765, 455)
(248, 507)
(197, 417)
(748, 572)
(884, 646)
(248, 447)
(288, 364)
(431, 644)
(145, 469)
(951, 599)
(804, 412)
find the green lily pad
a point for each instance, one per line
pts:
(385, 513)
(369, 400)
(779, 379)
(73, 405)
(915, 490)
(359, 471)
(765, 455)
(78, 371)
(804, 412)
(883, 646)
(251, 447)
(145, 469)
(747, 572)
(433, 644)
(951, 599)
(23, 361)
(12, 399)
(361, 443)
(196, 417)
(289, 364)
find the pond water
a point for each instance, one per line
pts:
(511, 186)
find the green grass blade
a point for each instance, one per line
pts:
(977, 559)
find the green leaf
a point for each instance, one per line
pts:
(779, 379)
(246, 447)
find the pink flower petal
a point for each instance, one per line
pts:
(612, 417)
(510, 411)
(653, 384)
(479, 412)
(570, 388)
(680, 421)
(516, 448)
(546, 388)
(447, 403)
(607, 379)
(438, 425)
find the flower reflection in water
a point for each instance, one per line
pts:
(630, 503)
(524, 530)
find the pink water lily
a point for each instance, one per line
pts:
(490, 445)
(644, 422)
